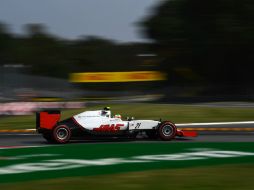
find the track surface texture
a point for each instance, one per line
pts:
(33, 139)
(37, 140)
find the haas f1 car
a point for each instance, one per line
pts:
(99, 123)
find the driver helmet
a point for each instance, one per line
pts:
(118, 116)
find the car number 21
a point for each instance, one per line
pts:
(137, 125)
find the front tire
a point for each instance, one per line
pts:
(61, 134)
(167, 131)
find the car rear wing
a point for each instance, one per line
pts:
(47, 119)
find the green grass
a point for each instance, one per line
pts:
(175, 113)
(123, 151)
(201, 174)
(223, 177)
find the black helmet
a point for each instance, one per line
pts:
(107, 108)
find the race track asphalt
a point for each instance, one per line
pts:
(7, 139)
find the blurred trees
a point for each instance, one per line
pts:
(92, 53)
(40, 50)
(49, 55)
(5, 42)
(207, 42)
(198, 42)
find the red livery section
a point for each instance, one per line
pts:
(183, 133)
(109, 128)
(48, 120)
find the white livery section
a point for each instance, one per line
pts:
(143, 124)
(93, 119)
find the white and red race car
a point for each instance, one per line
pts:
(99, 123)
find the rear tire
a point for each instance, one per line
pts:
(167, 131)
(61, 134)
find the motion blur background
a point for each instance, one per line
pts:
(151, 50)
(187, 61)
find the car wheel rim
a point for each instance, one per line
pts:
(62, 133)
(167, 130)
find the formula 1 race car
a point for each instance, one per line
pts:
(99, 123)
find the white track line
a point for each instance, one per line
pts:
(18, 134)
(16, 147)
(215, 123)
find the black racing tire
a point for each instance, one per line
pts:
(167, 131)
(61, 134)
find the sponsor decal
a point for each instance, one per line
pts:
(132, 76)
(109, 128)
(62, 164)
